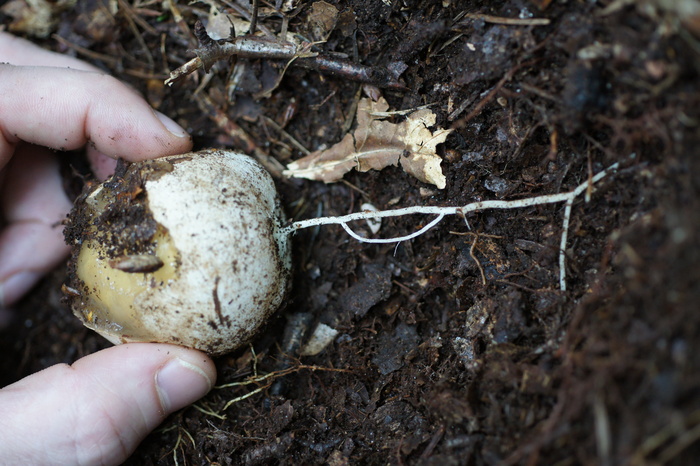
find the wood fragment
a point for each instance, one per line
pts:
(476, 260)
(211, 51)
(509, 21)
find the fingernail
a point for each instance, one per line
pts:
(180, 383)
(15, 286)
(171, 126)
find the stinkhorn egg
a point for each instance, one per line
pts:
(186, 249)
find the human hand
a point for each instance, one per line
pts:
(98, 409)
(49, 106)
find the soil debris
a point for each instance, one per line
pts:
(454, 348)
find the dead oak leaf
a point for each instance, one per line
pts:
(376, 144)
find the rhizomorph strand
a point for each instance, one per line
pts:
(441, 212)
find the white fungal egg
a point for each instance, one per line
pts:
(185, 249)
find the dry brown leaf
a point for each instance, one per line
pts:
(219, 24)
(322, 19)
(376, 144)
(37, 18)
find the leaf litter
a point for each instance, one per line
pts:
(376, 144)
(481, 383)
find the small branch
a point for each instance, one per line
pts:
(476, 260)
(211, 51)
(243, 397)
(188, 68)
(509, 21)
(254, 17)
(441, 212)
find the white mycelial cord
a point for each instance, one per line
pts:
(441, 212)
(392, 240)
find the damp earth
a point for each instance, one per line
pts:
(458, 346)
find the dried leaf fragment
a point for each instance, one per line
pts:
(37, 18)
(322, 20)
(422, 161)
(376, 144)
(219, 23)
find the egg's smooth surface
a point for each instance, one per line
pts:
(184, 249)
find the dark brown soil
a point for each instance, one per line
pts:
(434, 364)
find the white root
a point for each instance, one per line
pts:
(441, 212)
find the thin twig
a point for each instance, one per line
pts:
(299, 146)
(246, 14)
(211, 51)
(243, 397)
(130, 16)
(509, 21)
(108, 60)
(254, 17)
(209, 412)
(111, 61)
(476, 260)
(281, 373)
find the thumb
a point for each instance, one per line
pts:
(99, 409)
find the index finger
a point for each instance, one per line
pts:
(64, 109)
(18, 51)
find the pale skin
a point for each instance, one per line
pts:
(97, 410)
